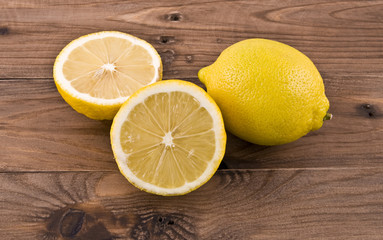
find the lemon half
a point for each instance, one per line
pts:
(96, 73)
(168, 138)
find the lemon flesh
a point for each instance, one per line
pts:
(96, 73)
(168, 138)
(269, 93)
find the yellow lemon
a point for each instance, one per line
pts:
(269, 93)
(96, 73)
(168, 138)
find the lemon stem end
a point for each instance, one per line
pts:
(327, 117)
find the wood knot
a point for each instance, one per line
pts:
(167, 39)
(174, 17)
(71, 222)
(164, 226)
(368, 110)
(163, 221)
(189, 58)
(167, 56)
(4, 31)
(219, 40)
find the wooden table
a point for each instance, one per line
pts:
(58, 177)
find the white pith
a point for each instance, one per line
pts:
(66, 85)
(167, 139)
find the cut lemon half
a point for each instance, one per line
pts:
(168, 138)
(96, 73)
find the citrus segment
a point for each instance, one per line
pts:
(168, 138)
(96, 73)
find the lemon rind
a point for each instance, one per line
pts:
(65, 85)
(169, 86)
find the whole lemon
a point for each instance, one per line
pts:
(269, 93)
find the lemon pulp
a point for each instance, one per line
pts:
(96, 73)
(157, 143)
(168, 138)
(109, 68)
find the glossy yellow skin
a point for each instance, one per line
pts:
(89, 109)
(269, 93)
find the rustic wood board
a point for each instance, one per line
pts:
(39, 129)
(58, 178)
(248, 204)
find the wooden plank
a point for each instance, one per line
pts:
(340, 37)
(280, 204)
(58, 179)
(40, 132)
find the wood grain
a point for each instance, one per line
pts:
(340, 37)
(281, 204)
(344, 39)
(39, 131)
(58, 179)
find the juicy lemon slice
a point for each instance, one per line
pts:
(168, 138)
(96, 73)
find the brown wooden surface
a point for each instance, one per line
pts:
(58, 178)
(248, 204)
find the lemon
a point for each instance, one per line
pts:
(96, 73)
(168, 138)
(269, 93)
